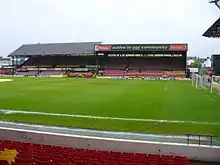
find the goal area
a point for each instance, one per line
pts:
(210, 83)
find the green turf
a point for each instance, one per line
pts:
(164, 100)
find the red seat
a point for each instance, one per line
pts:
(4, 162)
(37, 154)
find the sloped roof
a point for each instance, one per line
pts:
(214, 30)
(55, 49)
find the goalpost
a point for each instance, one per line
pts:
(206, 82)
(200, 81)
(216, 83)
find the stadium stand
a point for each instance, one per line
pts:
(56, 59)
(2, 71)
(81, 74)
(82, 60)
(114, 73)
(114, 63)
(179, 74)
(51, 73)
(57, 62)
(36, 154)
(27, 73)
(132, 73)
(153, 73)
(149, 67)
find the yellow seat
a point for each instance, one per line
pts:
(8, 155)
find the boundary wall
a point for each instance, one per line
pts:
(194, 152)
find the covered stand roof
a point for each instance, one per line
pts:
(56, 49)
(214, 30)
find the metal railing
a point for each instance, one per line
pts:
(203, 140)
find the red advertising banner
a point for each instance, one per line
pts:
(103, 47)
(179, 47)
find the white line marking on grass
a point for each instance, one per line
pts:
(5, 80)
(165, 88)
(203, 87)
(212, 98)
(5, 111)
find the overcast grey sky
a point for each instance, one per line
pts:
(110, 21)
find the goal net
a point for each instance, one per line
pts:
(200, 81)
(216, 83)
(206, 82)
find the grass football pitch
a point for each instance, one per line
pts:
(169, 107)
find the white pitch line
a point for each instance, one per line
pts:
(5, 80)
(165, 87)
(5, 111)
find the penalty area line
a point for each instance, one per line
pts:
(5, 111)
